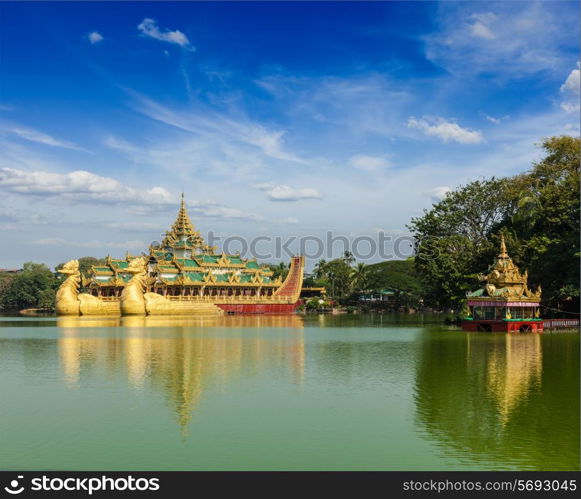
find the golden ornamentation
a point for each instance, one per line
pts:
(189, 284)
(505, 281)
(70, 302)
(67, 301)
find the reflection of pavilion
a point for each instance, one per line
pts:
(513, 370)
(477, 396)
(183, 362)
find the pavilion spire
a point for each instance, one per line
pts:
(503, 253)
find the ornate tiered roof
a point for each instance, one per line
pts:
(182, 234)
(184, 258)
(505, 281)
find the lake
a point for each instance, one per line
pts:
(346, 392)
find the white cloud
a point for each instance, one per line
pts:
(482, 27)
(438, 193)
(369, 163)
(286, 193)
(95, 37)
(83, 186)
(38, 137)
(572, 82)
(148, 27)
(80, 184)
(445, 130)
(571, 90)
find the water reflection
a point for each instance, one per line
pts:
(488, 398)
(513, 371)
(185, 359)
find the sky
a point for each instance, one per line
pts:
(275, 119)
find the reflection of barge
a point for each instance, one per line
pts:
(180, 276)
(505, 303)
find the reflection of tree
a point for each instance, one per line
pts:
(183, 362)
(502, 401)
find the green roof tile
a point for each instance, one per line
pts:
(209, 258)
(195, 276)
(186, 262)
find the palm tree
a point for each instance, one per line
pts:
(320, 269)
(359, 277)
(348, 257)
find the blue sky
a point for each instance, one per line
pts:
(273, 118)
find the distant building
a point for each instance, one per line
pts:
(383, 295)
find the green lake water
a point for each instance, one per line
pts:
(284, 393)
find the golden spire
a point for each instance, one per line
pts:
(183, 230)
(503, 253)
(183, 225)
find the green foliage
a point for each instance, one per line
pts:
(317, 303)
(35, 286)
(280, 269)
(336, 275)
(394, 274)
(538, 211)
(85, 264)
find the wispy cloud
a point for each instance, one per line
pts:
(496, 121)
(32, 135)
(507, 39)
(148, 27)
(445, 130)
(95, 37)
(205, 122)
(278, 192)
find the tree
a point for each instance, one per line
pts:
(545, 228)
(86, 263)
(452, 238)
(33, 287)
(338, 276)
(280, 269)
(537, 211)
(320, 270)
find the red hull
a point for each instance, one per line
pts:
(503, 326)
(266, 308)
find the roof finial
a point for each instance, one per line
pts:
(503, 253)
